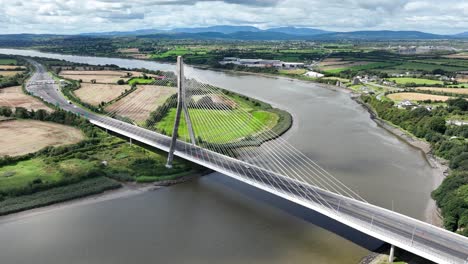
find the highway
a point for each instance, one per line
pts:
(430, 242)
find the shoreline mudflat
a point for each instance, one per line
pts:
(439, 166)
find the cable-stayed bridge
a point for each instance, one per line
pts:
(210, 129)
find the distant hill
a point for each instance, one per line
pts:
(218, 29)
(463, 35)
(273, 35)
(253, 33)
(381, 35)
(298, 31)
(124, 33)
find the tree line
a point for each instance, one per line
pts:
(448, 141)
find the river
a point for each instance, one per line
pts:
(213, 219)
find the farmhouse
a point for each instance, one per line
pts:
(405, 104)
(314, 74)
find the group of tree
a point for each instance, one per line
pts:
(448, 141)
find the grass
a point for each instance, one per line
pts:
(70, 164)
(22, 174)
(135, 81)
(180, 51)
(417, 81)
(415, 66)
(293, 72)
(7, 61)
(374, 65)
(228, 126)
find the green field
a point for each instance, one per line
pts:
(7, 61)
(417, 81)
(73, 163)
(140, 81)
(415, 66)
(179, 51)
(24, 173)
(229, 126)
(374, 65)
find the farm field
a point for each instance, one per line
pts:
(444, 90)
(105, 76)
(14, 97)
(7, 61)
(417, 81)
(293, 72)
(141, 81)
(9, 73)
(414, 66)
(462, 55)
(96, 93)
(140, 103)
(417, 97)
(357, 66)
(20, 137)
(332, 64)
(10, 67)
(214, 132)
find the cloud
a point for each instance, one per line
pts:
(75, 16)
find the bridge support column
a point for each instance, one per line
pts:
(130, 140)
(392, 254)
(181, 106)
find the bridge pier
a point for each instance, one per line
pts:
(392, 254)
(181, 106)
(130, 141)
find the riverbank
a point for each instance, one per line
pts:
(439, 165)
(126, 190)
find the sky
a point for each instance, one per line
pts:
(79, 16)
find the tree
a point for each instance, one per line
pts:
(437, 124)
(6, 111)
(40, 114)
(120, 82)
(21, 112)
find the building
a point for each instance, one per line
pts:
(292, 65)
(405, 104)
(314, 74)
(261, 63)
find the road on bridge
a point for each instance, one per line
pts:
(425, 240)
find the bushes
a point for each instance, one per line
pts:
(60, 194)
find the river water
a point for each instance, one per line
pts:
(216, 220)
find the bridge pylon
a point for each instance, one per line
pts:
(181, 106)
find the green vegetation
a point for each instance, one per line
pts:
(56, 174)
(17, 79)
(7, 61)
(240, 124)
(237, 125)
(56, 195)
(135, 81)
(375, 65)
(417, 81)
(449, 142)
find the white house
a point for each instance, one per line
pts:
(314, 74)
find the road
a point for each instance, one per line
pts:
(425, 240)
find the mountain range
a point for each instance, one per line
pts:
(280, 33)
(222, 32)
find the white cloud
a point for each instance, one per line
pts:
(74, 16)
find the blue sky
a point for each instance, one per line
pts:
(77, 16)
